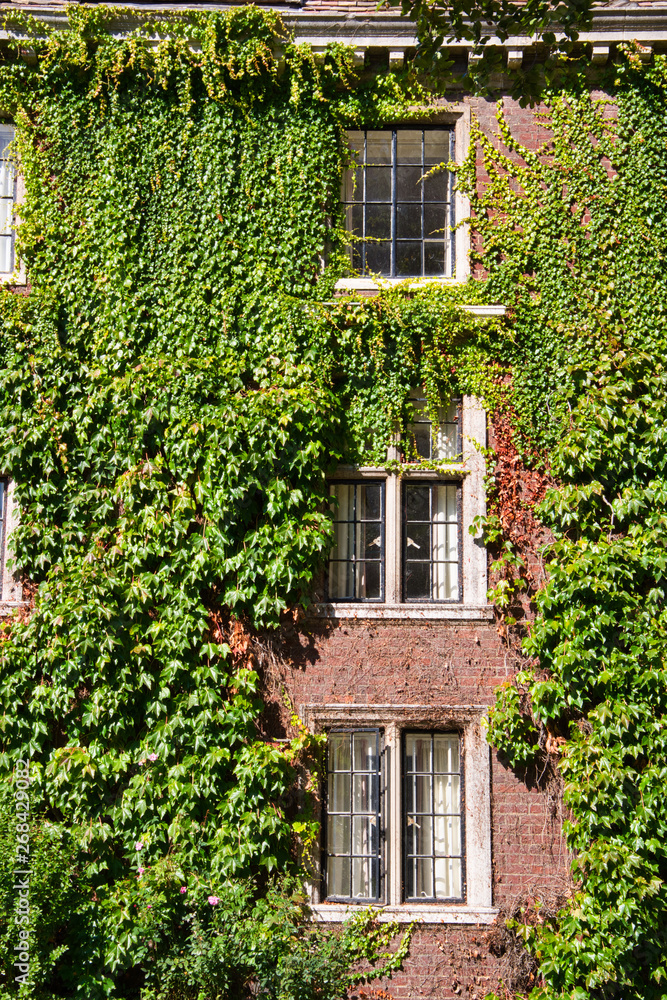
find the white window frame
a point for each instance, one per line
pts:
(458, 116)
(470, 472)
(394, 720)
(17, 275)
(11, 591)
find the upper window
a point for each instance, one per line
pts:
(7, 200)
(401, 220)
(439, 443)
(356, 563)
(431, 543)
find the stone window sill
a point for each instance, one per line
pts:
(6, 607)
(408, 912)
(409, 612)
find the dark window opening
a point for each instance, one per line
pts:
(401, 220)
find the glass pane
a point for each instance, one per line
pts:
(6, 179)
(408, 184)
(2, 500)
(339, 793)
(446, 445)
(447, 835)
(434, 259)
(369, 583)
(446, 793)
(356, 142)
(365, 790)
(418, 506)
(365, 757)
(409, 221)
(378, 147)
(448, 878)
(436, 147)
(343, 540)
(422, 439)
(364, 835)
(370, 502)
(378, 257)
(6, 254)
(417, 582)
(341, 580)
(342, 501)
(419, 753)
(436, 219)
(436, 187)
(409, 146)
(419, 792)
(446, 754)
(369, 540)
(352, 186)
(338, 834)
(364, 883)
(418, 541)
(445, 581)
(408, 259)
(378, 183)
(444, 502)
(338, 877)
(378, 221)
(6, 215)
(422, 827)
(354, 219)
(423, 876)
(339, 752)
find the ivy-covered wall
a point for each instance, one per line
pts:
(175, 386)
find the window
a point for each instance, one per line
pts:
(353, 818)
(431, 543)
(432, 816)
(3, 527)
(400, 219)
(356, 563)
(356, 820)
(443, 444)
(7, 201)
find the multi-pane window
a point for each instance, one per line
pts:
(7, 199)
(432, 816)
(353, 866)
(3, 525)
(356, 563)
(436, 443)
(400, 215)
(431, 543)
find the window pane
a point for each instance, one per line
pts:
(423, 878)
(436, 146)
(418, 506)
(418, 541)
(408, 184)
(409, 146)
(338, 831)
(447, 878)
(370, 498)
(339, 752)
(338, 877)
(379, 146)
(6, 254)
(419, 753)
(436, 187)
(365, 755)
(417, 582)
(354, 219)
(422, 827)
(369, 582)
(6, 215)
(378, 184)
(378, 257)
(6, 179)
(364, 835)
(6, 136)
(364, 882)
(365, 793)
(436, 218)
(339, 792)
(434, 259)
(408, 260)
(409, 221)
(446, 754)
(447, 835)
(356, 142)
(378, 221)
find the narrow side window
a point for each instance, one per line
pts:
(7, 200)
(353, 853)
(432, 817)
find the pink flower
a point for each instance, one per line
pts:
(183, 889)
(149, 907)
(141, 870)
(141, 763)
(139, 844)
(152, 756)
(213, 900)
